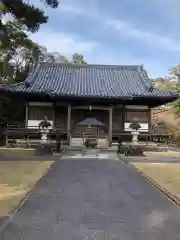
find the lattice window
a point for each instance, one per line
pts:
(142, 116)
(38, 112)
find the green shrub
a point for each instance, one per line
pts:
(131, 150)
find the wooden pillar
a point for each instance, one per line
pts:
(26, 114)
(149, 120)
(123, 117)
(69, 124)
(110, 125)
(54, 115)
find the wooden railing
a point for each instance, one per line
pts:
(16, 125)
(17, 130)
(143, 136)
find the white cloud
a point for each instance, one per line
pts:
(62, 42)
(125, 29)
(67, 44)
(73, 9)
(80, 4)
(85, 8)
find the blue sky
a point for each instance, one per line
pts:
(115, 32)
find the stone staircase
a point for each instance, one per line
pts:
(78, 142)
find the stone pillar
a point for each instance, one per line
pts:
(26, 114)
(110, 125)
(69, 124)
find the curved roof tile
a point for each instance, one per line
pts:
(104, 81)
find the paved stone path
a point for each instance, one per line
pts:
(94, 200)
(90, 154)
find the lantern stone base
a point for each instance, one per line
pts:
(135, 135)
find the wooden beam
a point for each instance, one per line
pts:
(92, 107)
(42, 104)
(138, 107)
(62, 104)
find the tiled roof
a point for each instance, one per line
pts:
(101, 81)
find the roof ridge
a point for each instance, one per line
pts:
(145, 79)
(90, 65)
(32, 74)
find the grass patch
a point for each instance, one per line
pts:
(166, 175)
(159, 155)
(16, 152)
(164, 154)
(16, 180)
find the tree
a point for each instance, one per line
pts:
(29, 15)
(174, 74)
(56, 57)
(26, 14)
(17, 51)
(15, 59)
(164, 83)
(16, 56)
(78, 59)
(171, 83)
(51, 57)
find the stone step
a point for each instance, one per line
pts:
(102, 142)
(76, 141)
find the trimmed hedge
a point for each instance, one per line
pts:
(130, 150)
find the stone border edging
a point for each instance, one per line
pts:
(175, 200)
(27, 195)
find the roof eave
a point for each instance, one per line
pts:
(45, 96)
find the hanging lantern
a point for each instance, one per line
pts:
(90, 108)
(89, 126)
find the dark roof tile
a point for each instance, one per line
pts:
(103, 81)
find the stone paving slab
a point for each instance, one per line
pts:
(94, 200)
(90, 155)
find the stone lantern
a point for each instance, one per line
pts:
(44, 129)
(135, 126)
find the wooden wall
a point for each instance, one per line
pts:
(141, 114)
(122, 117)
(37, 113)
